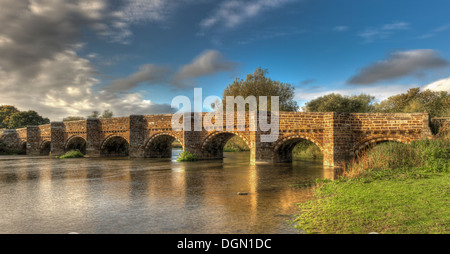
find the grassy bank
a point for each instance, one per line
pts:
(393, 188)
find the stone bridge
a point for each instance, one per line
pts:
(340, 136)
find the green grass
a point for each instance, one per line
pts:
(71, 154)
(186, 156)
(394, 188)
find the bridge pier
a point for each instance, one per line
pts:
(33, 140)
(93, 138)
(138, 126)
(57, 139)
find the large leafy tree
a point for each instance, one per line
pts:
(362, 103)
(25, 118)
(6, 112)
(258, 84)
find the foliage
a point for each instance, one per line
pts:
(362, 103)
(106, 114)
(24, 118)
(257, 84)
(6, 112)
(306, 149)
(73, 118)
(186, 156)
(431, 155)
(436, 103)
(236, 144)
(71, 154)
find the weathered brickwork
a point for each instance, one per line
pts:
(339, 136)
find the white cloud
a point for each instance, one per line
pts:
(440, 85)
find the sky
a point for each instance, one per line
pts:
(68, 58)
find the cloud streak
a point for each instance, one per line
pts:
(399, 64)
(383, 32)
(232, 13)
(207, 63)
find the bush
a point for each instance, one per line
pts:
(71, 154)
(186, 156)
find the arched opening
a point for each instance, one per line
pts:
(297, 148)
(45, 148)
(383, 154)
(162, 146)
(23, 148)
(76, 143)
(115, 147)
(218, 146)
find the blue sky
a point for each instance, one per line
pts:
(71, 57)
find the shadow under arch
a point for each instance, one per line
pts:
(160, 146)
(213, 145)
(75, 143)
(115, 146)
(283, 149)
(45, 148)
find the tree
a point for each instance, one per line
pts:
(25, 118)
(106, 114)
(6, 112)
(257, 84)
(362, 103)
(95, 114)
(73, 118)
(436, 103)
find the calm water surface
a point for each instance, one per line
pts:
(120, 195)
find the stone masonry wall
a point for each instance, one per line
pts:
(339, 136)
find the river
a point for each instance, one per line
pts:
(40, 195)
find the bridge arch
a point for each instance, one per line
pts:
(160, 145)
(75, 143)
(283, 148)
(45, 148)
(369, 143)
(214, 143)
(115, 146)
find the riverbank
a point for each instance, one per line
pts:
(393, 189)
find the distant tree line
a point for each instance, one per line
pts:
(436, 103)
(95, 114)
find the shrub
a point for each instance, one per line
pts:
(186, 156)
